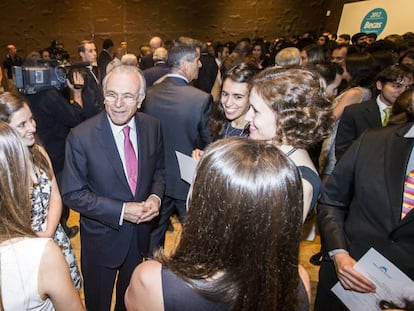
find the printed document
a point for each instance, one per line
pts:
(392, 284)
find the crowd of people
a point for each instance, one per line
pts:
(281, 131)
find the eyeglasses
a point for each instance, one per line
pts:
(111, 97)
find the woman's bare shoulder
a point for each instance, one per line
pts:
(145, 288)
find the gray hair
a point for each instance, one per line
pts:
(288, 57)
(160, 54)
(129, 59)
(184, 49)
(127, 69)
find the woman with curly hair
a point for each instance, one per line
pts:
(288, 107)
(240, 243)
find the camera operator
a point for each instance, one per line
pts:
(57, 51)
(55, 115)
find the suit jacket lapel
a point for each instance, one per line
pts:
(107, 142)
(397, 153)
(372, 114)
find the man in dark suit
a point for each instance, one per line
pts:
(105, 57)
(184, 112)
(208, 72)
(361, 207)
(147, 61)
(92, 96)
(116, 195)
(356, 119)
(160, 68)
(12, 59)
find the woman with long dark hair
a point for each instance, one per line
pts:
(33, 274)
(312, 54)
(45, 194)
(259, 52)
(240, 243)
(228, 117)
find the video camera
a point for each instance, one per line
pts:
(45, 74)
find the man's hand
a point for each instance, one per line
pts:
(349, 277)
(152, 206)
(78, 81)
(134, 210)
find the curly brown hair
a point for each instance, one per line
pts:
(297, 96)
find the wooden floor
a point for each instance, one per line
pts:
(307, 248)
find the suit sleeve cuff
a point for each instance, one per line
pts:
(121, 218)
(157, 197)
(337, 251)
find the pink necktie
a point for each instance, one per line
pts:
(408, 195)
(131, 161)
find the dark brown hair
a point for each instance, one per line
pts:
(9, 104)
(362, 68)
(240, 73)
(403, 108)
(395, 73)
(240, 242)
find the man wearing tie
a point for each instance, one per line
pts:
(356, 119)
(114, 177)
(365, 204)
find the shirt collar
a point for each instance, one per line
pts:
(116, 129)
(381, 104)
(176, 75)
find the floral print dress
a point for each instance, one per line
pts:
(40, 207)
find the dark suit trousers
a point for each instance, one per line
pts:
(99, 280)
(325, 299)
(169, 205)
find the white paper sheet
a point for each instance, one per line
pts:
(187, 166)
(391, 284)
